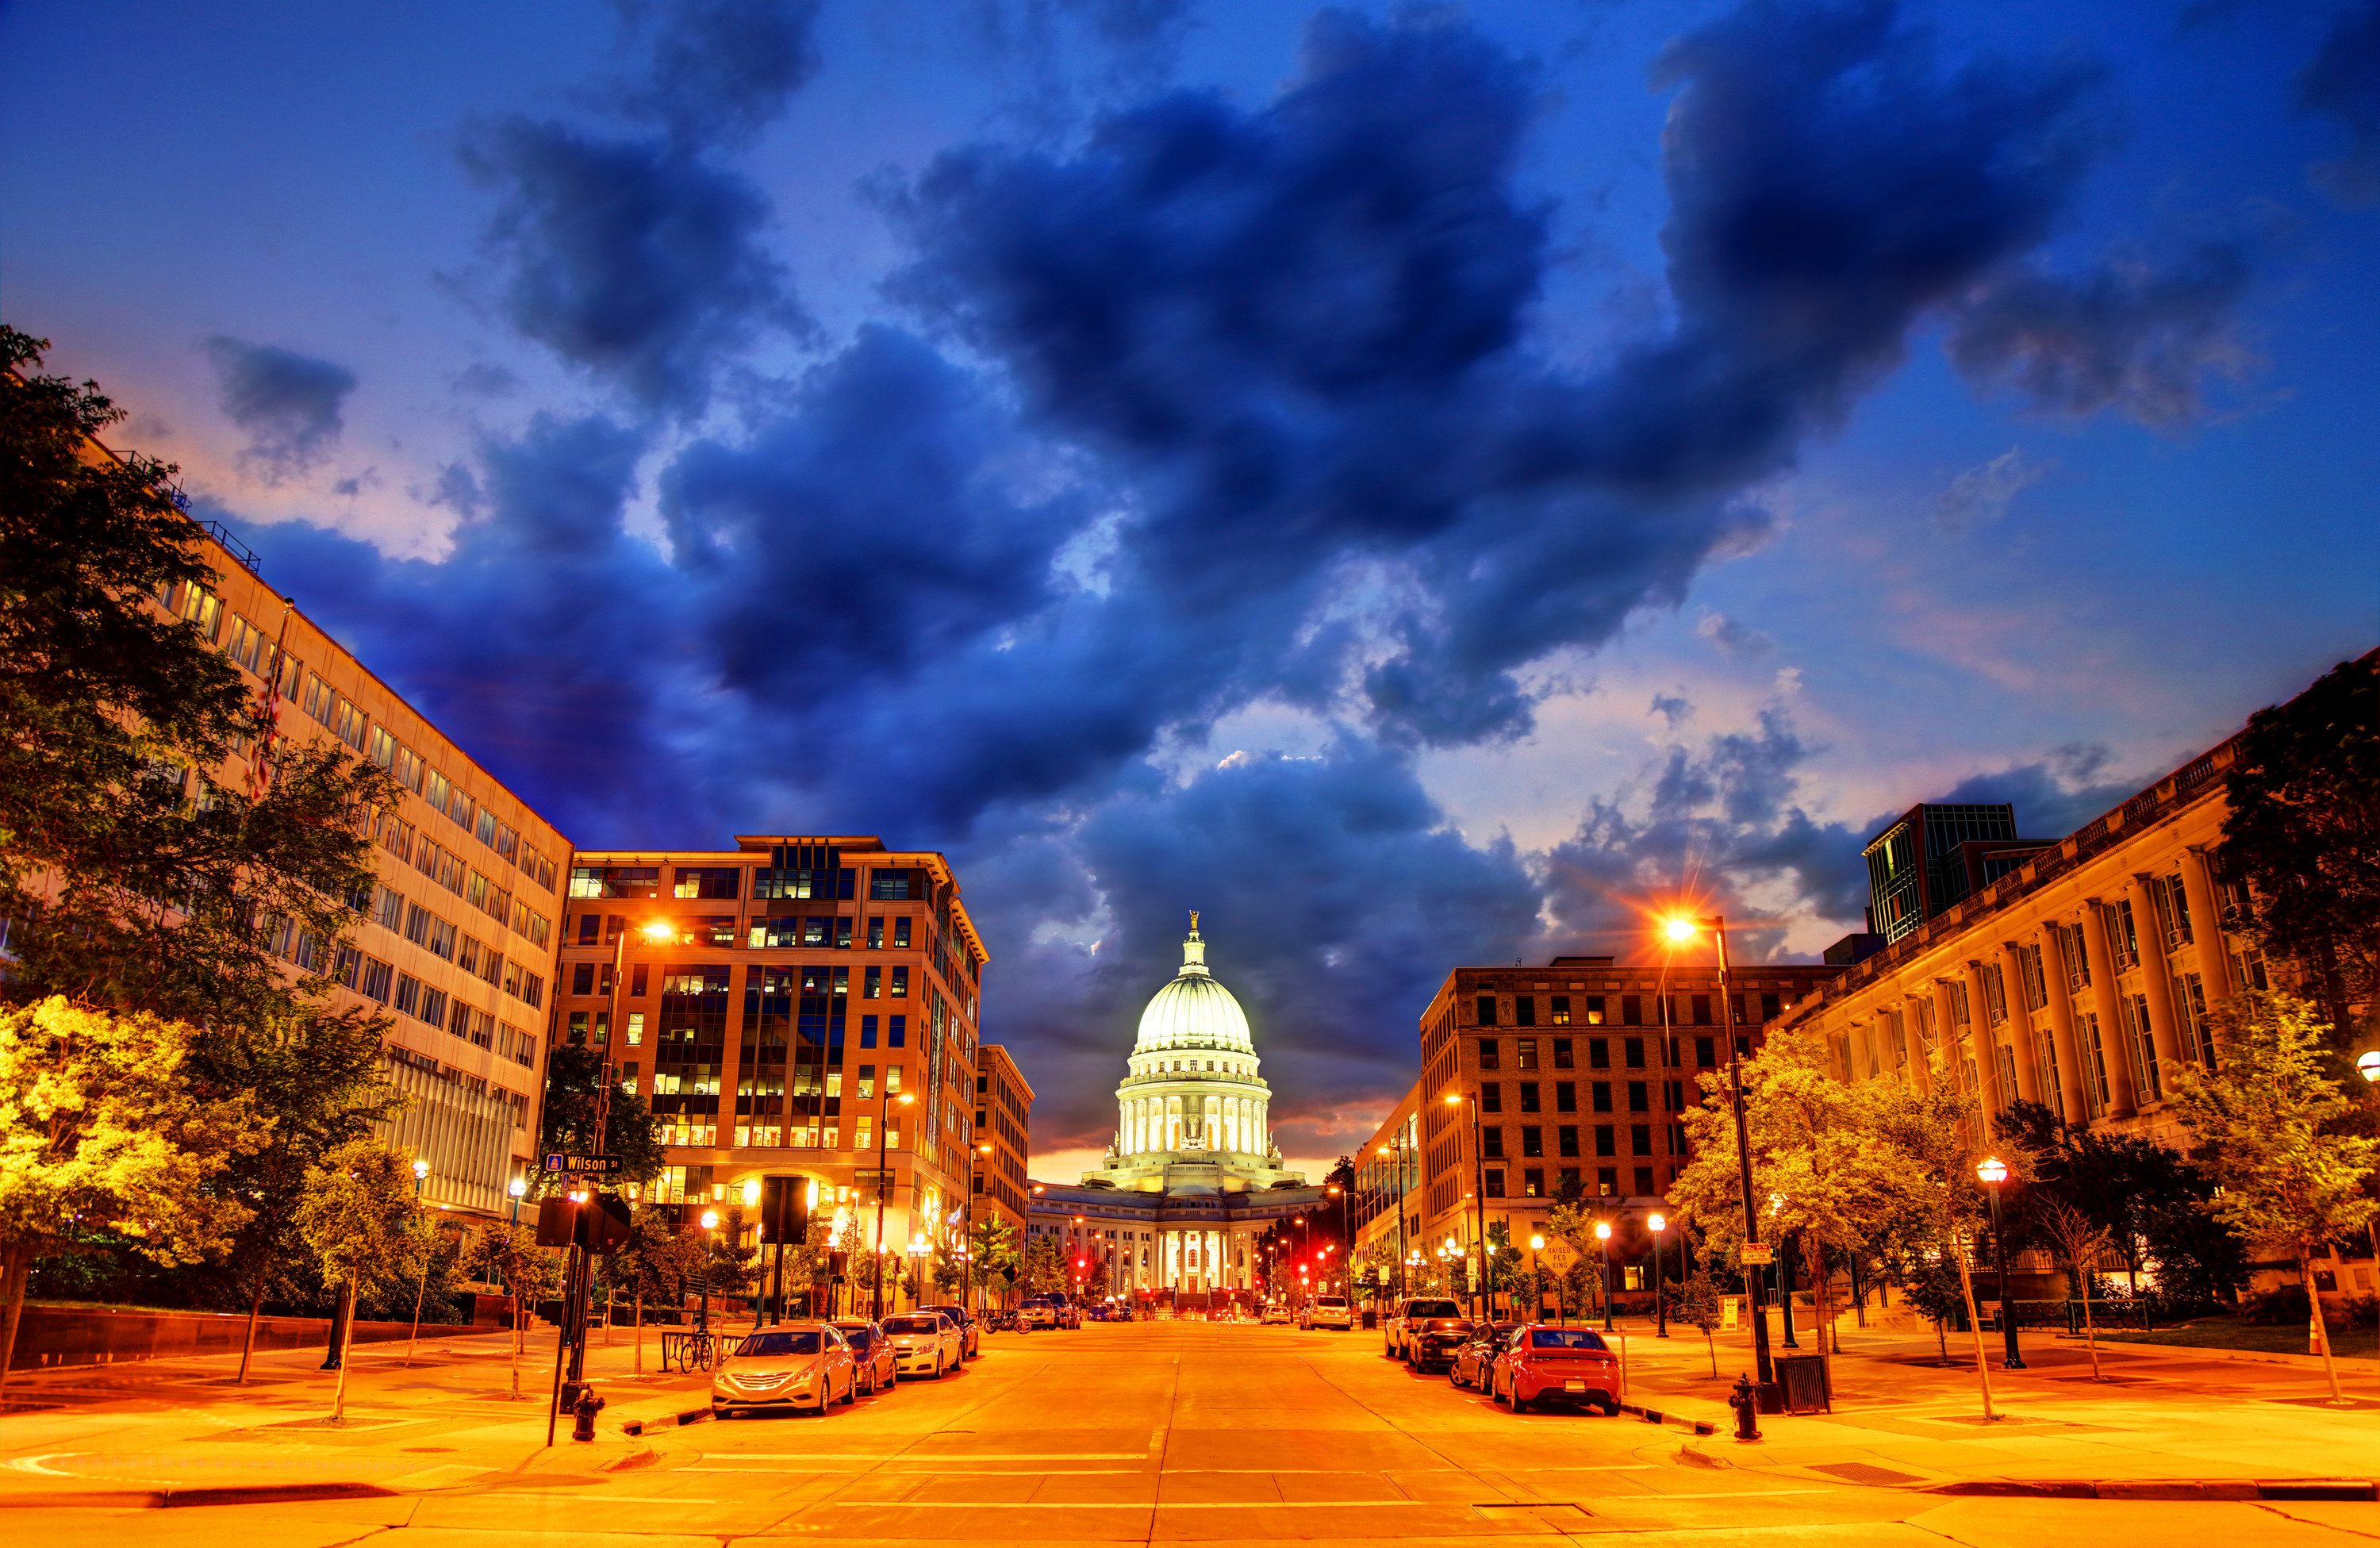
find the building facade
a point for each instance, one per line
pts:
(1003, 1125)
(1190, 1177)
(1577, 1070)
(456, 941)
(802, 988)
(1386, 1179)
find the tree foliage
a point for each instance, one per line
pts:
(138, 874)
(575, 1076)
(99, 1127)
(360, 1218)
(2303, 830)
(2268, 1115)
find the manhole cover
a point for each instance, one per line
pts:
(337, 1425)
(1863, 1472)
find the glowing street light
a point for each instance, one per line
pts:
(1659, 1224)
(1994, 1172)
(1681, 927)
(1603, 1242)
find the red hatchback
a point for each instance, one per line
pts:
(1545, 1364)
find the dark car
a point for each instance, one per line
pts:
(1426, 1331)
(1476, 1354)
(1541, 1364)
(970, 1331)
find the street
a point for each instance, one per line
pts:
(1173, 1431)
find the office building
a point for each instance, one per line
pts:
(1004, 1124)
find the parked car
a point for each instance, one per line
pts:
(795, 1365)
(1275, 1315)
(1327, 1312)
(1541, 1364)
(1052, 1311)
(970, 1331)
(1476, 1354)
(872, 1352)
(1425, 1330)
(924, 1344)
(1037, 1311)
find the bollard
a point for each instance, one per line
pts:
(582, 1414)
(1747, 1410)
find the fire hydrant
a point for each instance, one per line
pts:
(582, 1414)
(1747, 1405)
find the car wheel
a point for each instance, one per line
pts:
(938, 1368)
(1518, 1406)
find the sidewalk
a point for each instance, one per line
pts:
(2178, 1421)
(178, 1432)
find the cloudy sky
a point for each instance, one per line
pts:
(1414, 482)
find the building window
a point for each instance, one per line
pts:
(1636, 1097)
(1495, 1183)
(1563, 1058)
(900, 982)
(1491, 1097)
(1488, 1058)
(1603, 1096)
(896, 1032)
(582, 977)
(1644, 1186)
(1706, 1052)
(1702, 1010)
(1529, 1097)
(1560, 1011)
(707, 882)
(1565, 1096)
(901, 934)
(1532, 1182)
(1567, 1136)
(1533, 1140)
(1595, 1010)
(1491, 1143)
(1484, 1010)
(2189, 1007)
(1598, 1053)
(1769, 1006)
(1528, 1048)
(1631, 1010)
(1633, 1050)
(871, 985)
(1525, 1010)
(1607, 1180)
(1603, 1139)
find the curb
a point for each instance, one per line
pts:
(1675, 1422)
(2164, 1489)
(666, 1422)
(167, 1499)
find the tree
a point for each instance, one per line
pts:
(99, 1126)
(728, 1265)
(1045, 1268)
(1697, 1306)
(574, 1077)
(361, 1219)
(2267, 1113)
(317, 1077)
(134, 875)
(2304, 832)
(654, 1263)
(509, 1254)
(2147, 1196)
(992, 1249)
(1939, 1292)
(2081, 1241)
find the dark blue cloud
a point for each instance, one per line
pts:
(719, 71)
(2343, 81)
(633, 259)
(289, 404)
(2140, 339)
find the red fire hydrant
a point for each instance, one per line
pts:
(1747, 1405)
(582, 1414)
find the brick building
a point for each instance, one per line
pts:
(1003, 1121)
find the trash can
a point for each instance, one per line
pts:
(1371, 1320)
(1804, 1379)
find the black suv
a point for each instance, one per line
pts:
(1425, 1332)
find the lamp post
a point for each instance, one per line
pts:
(1479, 1184)
(1994, 1173)
(1603, 1243)
(1660, 1300)
(1398, 1150)
(421, 1176)
(759, 1292)
(1683, 929)
(1537, 1286)
(883, 1183)
(2367, 1065)
(517, 1188)
(709, 1223)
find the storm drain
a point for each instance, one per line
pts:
(1553, 1512)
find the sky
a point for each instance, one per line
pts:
(1420, 484)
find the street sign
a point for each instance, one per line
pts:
(1759, 1253)
(1558, 1255)
(585, 1166)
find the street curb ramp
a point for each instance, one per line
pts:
(665, 1421)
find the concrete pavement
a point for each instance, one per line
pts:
(1174, 1432)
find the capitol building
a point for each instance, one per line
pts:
(1192, 1176)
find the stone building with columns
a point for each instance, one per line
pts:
(1190, 1177)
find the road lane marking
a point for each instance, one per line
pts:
(915, 1456)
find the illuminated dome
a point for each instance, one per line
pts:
(1194, 1011)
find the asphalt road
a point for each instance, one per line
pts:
(1189, 1431)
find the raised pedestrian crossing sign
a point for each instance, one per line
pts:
(1558, 1255)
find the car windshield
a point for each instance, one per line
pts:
(1434, 1308)
(913, 1324)
(808, 1342)
(1565, 1339)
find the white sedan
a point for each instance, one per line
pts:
(797, 1365)
(925, 1344)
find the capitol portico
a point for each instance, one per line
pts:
(1190, 1177)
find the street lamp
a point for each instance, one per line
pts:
(517, 1188)
(1995, 1172)
(1603, 1242)
(709, 1223)
(883, 1184)
(1538, 1285)
(421, 1176)
(1683, 929)
(1478, 1182)
(1659, 1224)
